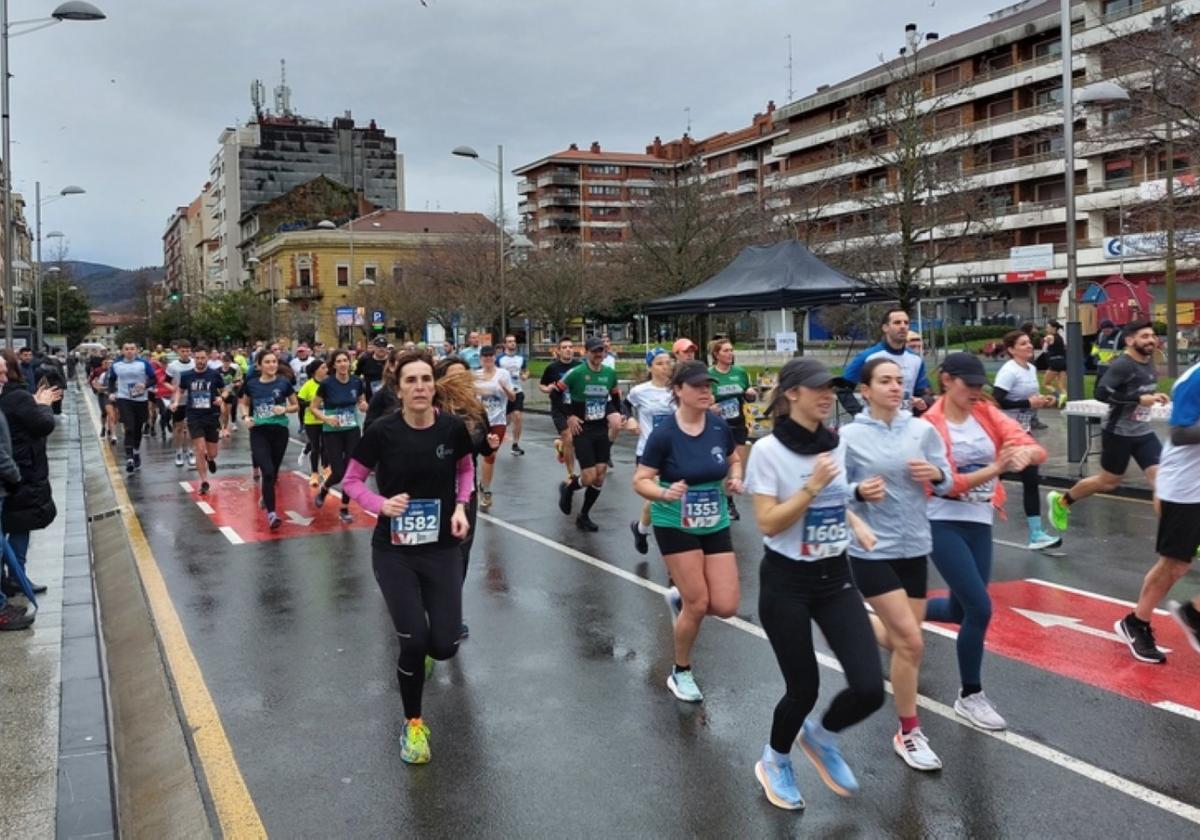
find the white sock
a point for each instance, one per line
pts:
(642, 527)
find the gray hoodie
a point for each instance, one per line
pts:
(875, 449)
(9, 474)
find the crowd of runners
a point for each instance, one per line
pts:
(850, 517)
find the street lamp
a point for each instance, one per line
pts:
(54, 234)
(1093, 94)
(73, 10)
(498, 168)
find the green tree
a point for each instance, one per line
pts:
(59, 296)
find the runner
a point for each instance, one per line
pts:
(383, 400)
(684, 350)
(650, 404)
(731, 391)
(983, 443)
(891, 457)
(1130, 388)
(131, 380)
(616, 420)
(199, 395)
(316, 373)
(100, 387)
(1017, 391)
(336, 404)
(590, 386)
(163, 392)
(231, 377)
(563, 361)
(894, 344)
(175, 369)
(299, 365)
(518, 371)
(1054, 354)
(267, 400)
(371, 365)
(797, 477)
(470, 353)
(688, 466)
(421, 459)
(495, 390)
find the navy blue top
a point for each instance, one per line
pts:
(336, 394)
(264, 396)
(680, 457)
(201, 389)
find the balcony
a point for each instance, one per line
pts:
(559, 220)
(304, 293)
(564, 178)
(560, 198)
(525, 186)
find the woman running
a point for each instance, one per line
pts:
(421, 459)
(731, 392)
(982, 443)
(267, 400)
(1017, 391)
(336, 404)
(688, 465)
(797, 476)
(383, 399)
(100, 386)
(317, 371)
(495, 389)
(1055, 351)
(891, 457)
(649, 404)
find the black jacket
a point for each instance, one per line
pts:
(30, 506)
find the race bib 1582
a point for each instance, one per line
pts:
(420, 524)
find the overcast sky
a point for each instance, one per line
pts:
(130, 108)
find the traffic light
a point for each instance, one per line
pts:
(173, 296)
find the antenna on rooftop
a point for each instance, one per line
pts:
(688, 111)
(258, 95)
(283, 93)
(791, 91)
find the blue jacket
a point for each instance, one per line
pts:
(916, 382)
(874, 448)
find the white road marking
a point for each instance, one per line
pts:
(1044, 619)
(231, 535)
(297, 519)
(187, 487)
(1087, 594)
(1088, 771)
(206, 507)
(1178, 708)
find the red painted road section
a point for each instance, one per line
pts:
(234, 500)
(1063, 648)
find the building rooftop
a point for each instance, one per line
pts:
(415, 221)
(574, 154)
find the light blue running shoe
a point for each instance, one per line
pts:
(820, 746)
(683, 686)
(778, 781)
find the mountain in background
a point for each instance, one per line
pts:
(109, 288)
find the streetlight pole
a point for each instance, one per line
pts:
(498, 168)
(1076, 426)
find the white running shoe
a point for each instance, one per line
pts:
(914, 749)
(179, 459)
(979, 711)
(683, 686)
(191, 460)
(1043, 541)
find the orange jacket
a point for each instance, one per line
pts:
(1002, 429)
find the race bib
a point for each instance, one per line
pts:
(493, 403)
(201, 400)
(342, 418)
(700, 508)
(264, 410)
(136, 389)
(1141, 414)
(1025, 419)
(420, 524)
(825, 533)
(982, 493)
(730, 409)
(594, 409)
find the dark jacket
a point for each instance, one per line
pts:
(10, 476)
(30, 506)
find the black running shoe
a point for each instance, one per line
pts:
(1187, 619)
(137, 460)
(639, 539)
(584, 523)
(129, 467)
(566, 497)
(1140, 638)
(13, 617)
(203, 488)
(321, 494)
(212, 465)
(733, 511)
(516, 450)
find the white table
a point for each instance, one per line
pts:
(1096, 411)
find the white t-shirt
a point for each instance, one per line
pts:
(774, 470)
(300, 368)
(491, 394)
(652, 404)
(1021, 383)
(610, 361)
(971, 449)
(1179, 466)
(177, 368)
(514, 364)
(214, 364)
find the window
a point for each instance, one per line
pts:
(606, 169)
(999, 108)
(1050, 191)
(1049, 145)
(1160, 165)
(876, 104)
(639, 192)
(1049, 96)
(947, 119)
(1116, 116)
(605, 212)
(1118, 173)
(343, 275)
(840, 113)
(946, 78)
(604, 190)
(1048, 49)
(397, 273)
(305, 277)
(370, 272)
(1121, 7)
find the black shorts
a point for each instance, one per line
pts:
(560, 420)
(516, 405)
(1057, 364)
(875, 577)
(208, 428)
(592, 446)
(179, 414)
(740, 433)
(1178, 531)
(1117, 451)
(613, 406)
(675, 541)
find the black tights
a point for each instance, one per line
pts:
(423, 591)
(268, 445)
(133, 414)
(338, 447)
(1030, 491)
(313, 433)
(465, 546)
(792, 595)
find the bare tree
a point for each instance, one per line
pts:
(555, 286)
(458, 279)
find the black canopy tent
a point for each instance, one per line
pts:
(785, 275)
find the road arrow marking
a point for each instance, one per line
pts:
(297, 519)
(1043, 619)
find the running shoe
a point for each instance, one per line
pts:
(464, 632)
(683, 685)
(485, 499)
(273, 521)
(640, 542)
(1186, 619)
(822, 750)
(566, 496)
(129, 465)
(429, 663)
(112, 439)
(13, 617)
(303, 454)
(233, 425)
(979, 711)
(674, 601)
(517, 450)
(584, 523)
(1057, 512)
(1140, 638)
(179, 459)
(314, 480)
(778, 780)
(345, 516)
(558, 450)
(734, 514)
(321, 495)
(1062, 400)
(914, 749)
(137, 460)
(414, 742)
(191, 460)
(212, 464)
(203, 488)
(1039, 542)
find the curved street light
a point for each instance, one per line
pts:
(498, 168)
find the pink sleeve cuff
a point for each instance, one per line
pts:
(466, 479)
(355, 485)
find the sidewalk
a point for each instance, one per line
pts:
(54, 746)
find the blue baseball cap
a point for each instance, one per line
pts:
(652, 354)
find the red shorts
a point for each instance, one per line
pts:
(498, 431)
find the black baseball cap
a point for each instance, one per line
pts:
(593, 343)
(965, 366)
(487, 350)
(379, 341)
(807, 372)
(692, 372)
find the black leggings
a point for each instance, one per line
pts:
(792, 595)
(312, 431)
(423, 591)
(1030, 492)
(465, 546)
(338, 447)
(268, 445)
(133, 414)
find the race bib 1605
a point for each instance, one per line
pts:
(825, 533)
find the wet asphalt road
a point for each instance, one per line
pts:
(554, 719)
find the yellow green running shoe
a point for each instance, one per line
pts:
(428, 665)
(1058, 513)
(414, 743)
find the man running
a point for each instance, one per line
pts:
(199, 394)
(370, 366)
(894, 345)
(518, 371)
(176, 369)
(470, 353)
(131, 380)
(1130, 387)
(563, 361)
(299, 366)
(684, 350)
(1178, 505)
(590, 386)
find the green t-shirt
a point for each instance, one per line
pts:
(307, 391)
(729, 391)
(589, 391)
